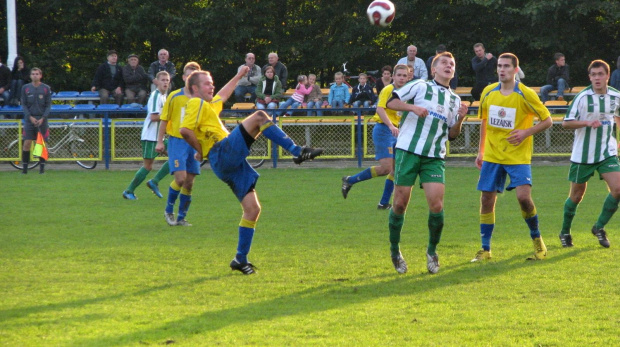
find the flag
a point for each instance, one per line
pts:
(40, 150)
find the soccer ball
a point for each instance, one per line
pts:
(381, 12)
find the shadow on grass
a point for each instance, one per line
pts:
(22, 312)
(333, 295)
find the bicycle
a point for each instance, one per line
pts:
(372, 76)
(71, 143)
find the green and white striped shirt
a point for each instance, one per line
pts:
(594, 145)
(427, 136)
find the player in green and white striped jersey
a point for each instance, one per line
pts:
(432, 115)
(592, 114)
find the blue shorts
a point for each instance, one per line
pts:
(384, 141)
(181, 156)
(228, 161)
(493, 176)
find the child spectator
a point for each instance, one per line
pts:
(385, 80)
(315, 98)
(268, 90)
(298, 97)
(338, 92)
(362, 93)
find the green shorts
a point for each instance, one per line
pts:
(148, 149)
(581, 173)
(409, 166)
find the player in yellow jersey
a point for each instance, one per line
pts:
(227, 152)
(384, 137)
(507, 110)
(181, 156)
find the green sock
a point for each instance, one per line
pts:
(609, 208)
(570, 208)
(435, 227)
(395, 225)
(137, 179)
(163, 172)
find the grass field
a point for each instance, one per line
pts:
(80, 266)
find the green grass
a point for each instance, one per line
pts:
(80, 266)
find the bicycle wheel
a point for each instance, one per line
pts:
(260, 151)
(11, 149)
(80, 150)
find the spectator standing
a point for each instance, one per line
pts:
(315, 98)
(385, 80)
(109, 79)
(247, 84)
(5, 82)
(19, 76)
(281, 70)
(362, 93)
(268, 90)
(557, 78)
(36, 100)
(418, 65)
(484, 65)
(135, 80)
(615, 76)
(339, 92)
(162, 64)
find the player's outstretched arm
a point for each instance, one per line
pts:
(399, 105)
(229, 88)
(386, 120)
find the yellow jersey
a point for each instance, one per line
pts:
(384, 96)
(204, 119)
(174, 111)
(505, 113)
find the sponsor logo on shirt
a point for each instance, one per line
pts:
(502, 117)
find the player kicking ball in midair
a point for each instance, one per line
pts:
(384, 137)
(592, 114)
(227, 152)
(433, 115)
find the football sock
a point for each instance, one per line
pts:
(609, 208)
(246, 233)
(163, 172)
(41, 165)
(570, 208)
(435, 227)
(387, 190)
(275, 134)
(173, 194)
(487, 223)
(185, 199)
(395, 225)
(139, 177)
(363, 175)
(531, 218)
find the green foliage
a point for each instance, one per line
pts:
(68, 39)
(83, 267)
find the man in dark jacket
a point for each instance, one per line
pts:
(5, 82)
(484, 65)
(279, 68)
(135, 79)
(109, 79)
(162, 64)
(557, 78)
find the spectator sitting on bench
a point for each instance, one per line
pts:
(385, 80)
(135, 80)
(162, 64)
(298, 97)
(247, 84)
(19, 77)
(338, 92)
(362, 93)
(315, 98)
(109, 79)
(557, 78)
(268, 90)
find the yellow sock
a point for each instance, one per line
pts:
(390, 177)
(175, 186)
(527, 215)
(247, 223)
(487, 218)
(373, 171)
(186, 191)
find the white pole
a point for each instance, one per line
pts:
(11, 26)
